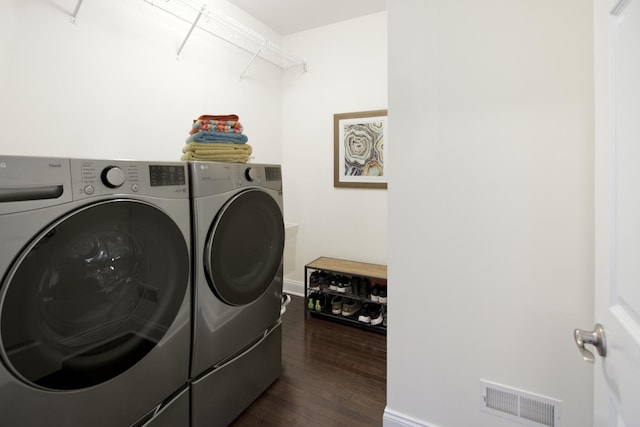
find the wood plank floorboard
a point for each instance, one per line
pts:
(332, 375)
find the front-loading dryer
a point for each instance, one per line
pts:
(95, 293)
(238, 242)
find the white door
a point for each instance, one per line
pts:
(617, 201)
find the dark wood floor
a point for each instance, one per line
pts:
(332, 375)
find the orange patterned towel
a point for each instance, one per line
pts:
(228, 126)
(233, 117)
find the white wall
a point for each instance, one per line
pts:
(347, 72)
(490, 206)
(111, 86)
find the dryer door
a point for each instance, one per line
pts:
(244, 247)
(92, 294)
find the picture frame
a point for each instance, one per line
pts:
(359, 150)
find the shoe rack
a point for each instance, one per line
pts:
(349, 292)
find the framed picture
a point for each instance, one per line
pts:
(359, 149)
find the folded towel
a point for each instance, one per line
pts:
(237, 157)
(212, 136)
(227, 126)
(221, 152)
(218, 117)
(230, 158)
(220, 147)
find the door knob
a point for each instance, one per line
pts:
(596, 338)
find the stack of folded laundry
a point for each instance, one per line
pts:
(217, 138)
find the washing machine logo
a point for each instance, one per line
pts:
(203, 167)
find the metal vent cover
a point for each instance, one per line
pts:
(517, 405)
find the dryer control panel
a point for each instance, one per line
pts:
(262, 175)
(216, 178)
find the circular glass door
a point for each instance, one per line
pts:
(244, 247)
(93, 294)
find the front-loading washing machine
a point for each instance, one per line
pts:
(95, 292)
(238, 242)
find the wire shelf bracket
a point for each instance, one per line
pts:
(74, 15)
(253, 58)
(195, 22)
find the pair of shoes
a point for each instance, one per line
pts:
(360, 286)
(382, 296)
(350, 307)
(364, 315)
(324, 279)
(344, 285)
(370, 314)
(356, 285)
(319, 280)
(378, 293)
(316, 301)
(341, 284)
(336, 305)
(374, 294)
(375, 312)
(333, 283)
(364, 288)
(314, 280)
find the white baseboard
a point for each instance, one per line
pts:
(392, 418)
(293, 287)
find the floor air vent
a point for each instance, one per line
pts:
(527, 408)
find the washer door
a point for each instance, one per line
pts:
(92, 294)
(244, 247)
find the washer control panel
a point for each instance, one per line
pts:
(107, 177)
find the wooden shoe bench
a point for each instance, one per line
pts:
(376, 273)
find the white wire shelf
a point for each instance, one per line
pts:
(222, 26)
(199, 16)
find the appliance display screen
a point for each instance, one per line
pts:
(162, 175)
(273, 174)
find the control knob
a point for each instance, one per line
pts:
(112, 176)
(251, 174)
